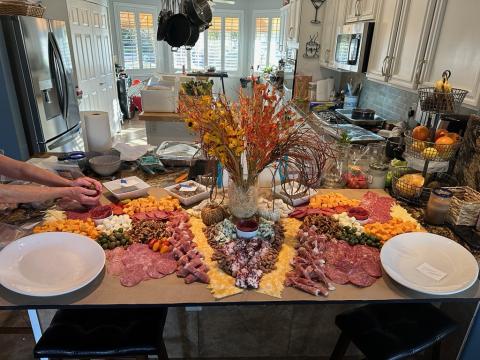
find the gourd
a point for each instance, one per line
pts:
(213, 214)
(443, 86)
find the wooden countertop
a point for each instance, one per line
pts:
(159, 116)
(107, 291)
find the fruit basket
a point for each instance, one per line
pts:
(411, 186)
(465, 206)
(433, 101)
(407, 184)
(21, 8)
(444, 148)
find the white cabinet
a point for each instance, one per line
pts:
(333, 20)
(290, 15)
(383, 41)
(454, 45)
(284, 25)
(411, 41)
(362, 10)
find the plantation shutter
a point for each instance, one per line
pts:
(147, 40)
(232, 43)
(129, 40)
(262, 38)
(214, 43)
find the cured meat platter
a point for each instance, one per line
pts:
(327, 247)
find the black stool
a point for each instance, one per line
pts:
(94, 333)
(392, 331)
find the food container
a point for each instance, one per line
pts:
(100, 214)
(247, 229)
(437, 207)
(128, 188)
(178, 153)
(433, 101)
(293, 193)
(465, 207)
(189, 192)
(105, 165)
(377, 175)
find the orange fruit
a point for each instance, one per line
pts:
(445, 140)
(420, 133)
(454, 136)
(439, 133)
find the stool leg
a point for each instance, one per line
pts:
(162, 351)
(341, 347)
(436, 350)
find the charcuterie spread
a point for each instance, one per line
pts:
(330, 242)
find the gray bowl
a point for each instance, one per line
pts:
(105, 165)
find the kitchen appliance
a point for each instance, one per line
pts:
(354, 117)
(41, 64)
(353, 46)
(363, 114)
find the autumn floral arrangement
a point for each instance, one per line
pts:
(250, 135)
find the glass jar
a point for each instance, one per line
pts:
(242, 202)
(438, 206)
(377, 175)
(336, 168)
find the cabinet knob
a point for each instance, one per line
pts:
(384, 66)
(357, 8)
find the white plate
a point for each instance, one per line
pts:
(50, 264)
(188, 201)
(429, 263)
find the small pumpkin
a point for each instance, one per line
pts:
(213, 214)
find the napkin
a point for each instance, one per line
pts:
(132, 152)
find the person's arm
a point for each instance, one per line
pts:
(31, 193)
(24, 171)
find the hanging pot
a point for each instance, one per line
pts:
(163, 17)
(178, 30)
(199, 12)
(194, 35)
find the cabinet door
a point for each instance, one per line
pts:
(298, 11)
(384, 39)
(367, 9)
(353, 11)
(454, 45)
(291, 19)
(412, 36)
(327, 43)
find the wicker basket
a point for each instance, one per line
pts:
(404, 190)
(21, 8)
(426, 150)
(442, 103)
(465, 207)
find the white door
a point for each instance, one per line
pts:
(93, 58)
(454, 45)
(413, 31)
(104, 65)
(327, 52)
(383, 40)
(298, 12)
(82, 41)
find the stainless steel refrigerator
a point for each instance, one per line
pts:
(41, 64)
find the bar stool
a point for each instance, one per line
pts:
(392, 331)
(94, 333)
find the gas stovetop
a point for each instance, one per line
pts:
(347, 115)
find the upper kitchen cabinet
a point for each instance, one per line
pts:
(333, 20)
(384, 37)
(454, 45)
(410, 43)
(362, 10)
(290, 17)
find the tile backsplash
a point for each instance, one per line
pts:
(388, 101)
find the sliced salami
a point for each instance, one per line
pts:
(337, 276)
(360, 278)
(372, 268)
(166, 267)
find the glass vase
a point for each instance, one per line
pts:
(242, 202)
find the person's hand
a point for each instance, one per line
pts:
(84, 196)
(87, 183)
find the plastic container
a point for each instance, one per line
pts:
(377, 175)
(128, 188)
(189, 200)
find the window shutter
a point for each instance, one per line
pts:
(232, 43)
(275, 54)
(180, 59)
(147, 40)
(129, 40)
(261, 42)
(214, 41)
(198, 54)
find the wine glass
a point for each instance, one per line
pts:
(316, 4)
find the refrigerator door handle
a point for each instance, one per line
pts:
(60, 76)
(64, 139)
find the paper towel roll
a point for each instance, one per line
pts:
(97, 130)
(324, 89)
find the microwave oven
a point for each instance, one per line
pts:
(353, 46)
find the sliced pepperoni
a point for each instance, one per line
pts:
(372, 268)
(166, 267)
